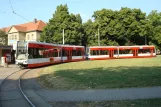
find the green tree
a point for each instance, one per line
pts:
(121, 27)
(90, 37)
(105, 20)
(154, 19)
(3, 38)
(72, 25)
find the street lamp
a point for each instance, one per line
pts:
(98, 39)
(145, 40)
(63, 36)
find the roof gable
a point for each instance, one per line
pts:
(12, 30)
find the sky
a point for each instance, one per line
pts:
(44, 9)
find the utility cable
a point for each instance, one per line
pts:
(16, 13)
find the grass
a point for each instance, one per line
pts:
(126, 103)
(102, 74)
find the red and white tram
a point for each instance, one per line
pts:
(34, 54)
(111, 52)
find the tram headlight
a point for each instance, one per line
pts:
(25, 62)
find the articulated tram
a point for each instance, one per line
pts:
(35, 54)
(112, 52)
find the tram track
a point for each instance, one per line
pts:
(12, 94)
(18, 90)
(23, 91)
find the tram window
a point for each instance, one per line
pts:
(74, 53)
(144, 51)
(115, 52)
(30, 53)
(99, 52)
(41, 52)
(59, 54)
(64, 52)
(51, 53)
(36, 53)
(33, 53)
(127, 51)
(46, 53)
(79, 53)
(55, 54)
(106, 52)
(94, 52)
(103, 52)
(91, 52)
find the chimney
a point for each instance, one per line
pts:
(35, 20)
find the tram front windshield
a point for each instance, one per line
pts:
(22, 50)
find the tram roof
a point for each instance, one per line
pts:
(43, 43)
(121, 46)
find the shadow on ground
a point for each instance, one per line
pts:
(98, 78)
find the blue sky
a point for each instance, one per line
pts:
(43, 9)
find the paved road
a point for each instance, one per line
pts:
(101, 95)
(4, 72)
(10, 95)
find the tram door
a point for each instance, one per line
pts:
(135, 52)
(111, 52)
(151, 52)
(69, 55)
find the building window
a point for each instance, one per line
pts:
(12, 37)
(32, 36)
(28, 37)
(15, 37)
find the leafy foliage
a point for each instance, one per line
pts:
(3, 38)
(72, 25)
(123, 27)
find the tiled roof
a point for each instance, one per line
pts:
(20, 28)
(5, 29)
(26, 27)
(31, 26)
